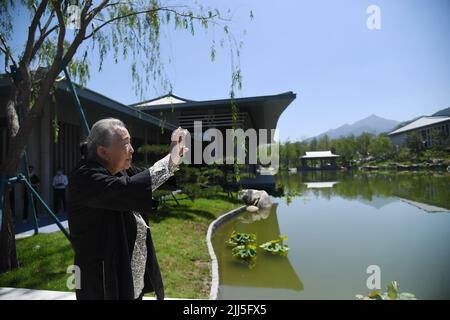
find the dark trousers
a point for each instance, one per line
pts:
(59, 195)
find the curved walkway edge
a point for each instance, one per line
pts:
(214, 264)
(31, 294)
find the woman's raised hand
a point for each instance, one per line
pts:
(177, 147)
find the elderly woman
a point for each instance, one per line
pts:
(108, 205)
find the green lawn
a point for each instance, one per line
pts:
(179, 234)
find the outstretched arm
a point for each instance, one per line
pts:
(165, 168)
(161, 171)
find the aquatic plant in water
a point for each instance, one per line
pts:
(276, 246)
(244, 252)
(237, 238)
(245, 248)
(392, 293)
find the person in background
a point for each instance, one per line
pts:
(59, 190)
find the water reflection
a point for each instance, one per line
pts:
(338, 223)
(429, 191)
(320, 185)
(268, 271)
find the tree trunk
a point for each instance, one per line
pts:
(20, 125)
(18, 133)
(8, 256)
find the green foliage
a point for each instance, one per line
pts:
(363, 142)
(313, 144)
(276, 247)
(196, 191)
(324, 143)
(431, 154)
(244, 252)
(440, 139)
(392, 293)
(245, 247)
(290, 152)
(199, 182)
(366, 148)
(154, 149)
(56, 129)
(381, 148)
(347, 148)
(415, 142)
(237, 239)
(402, 154)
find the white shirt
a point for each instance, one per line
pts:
(159, 172)
(60, 181)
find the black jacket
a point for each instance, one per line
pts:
(103, 230)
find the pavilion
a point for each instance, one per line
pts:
(326, 159)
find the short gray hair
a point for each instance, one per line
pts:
(101, 134)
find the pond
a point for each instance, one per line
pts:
(338, 224)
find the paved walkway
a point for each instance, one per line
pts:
(45, 222)
(29, 294)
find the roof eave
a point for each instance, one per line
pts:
(117, 106)
(98, 98)
(412, 129)
(206, 103)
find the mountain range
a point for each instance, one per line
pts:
(371, 124)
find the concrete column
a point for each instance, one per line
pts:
(146, 142)
(46, 155)
(157, 132)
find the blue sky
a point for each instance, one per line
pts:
(321, 50)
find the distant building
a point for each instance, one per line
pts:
(260, 112)
(325, 159)
(423, 126)
(144, 120)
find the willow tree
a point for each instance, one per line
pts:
(63, 34)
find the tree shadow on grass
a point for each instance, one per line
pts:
(41, 276)
(182, 212)
(186, 212)
(225, 197)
